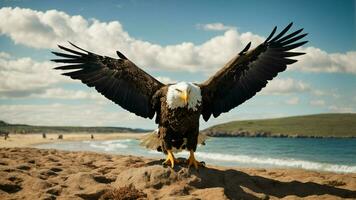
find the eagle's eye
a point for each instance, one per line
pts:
(178, 90)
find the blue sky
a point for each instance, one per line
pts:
(323, 81)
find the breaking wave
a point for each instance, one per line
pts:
(293, 163)
(110, 145)
(272, 162)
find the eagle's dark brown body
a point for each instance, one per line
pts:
(175, 126)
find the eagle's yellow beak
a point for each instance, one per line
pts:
(185, 97)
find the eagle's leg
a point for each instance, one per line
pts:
(170, 159)
(192, 162)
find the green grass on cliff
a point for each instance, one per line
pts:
(324, 125)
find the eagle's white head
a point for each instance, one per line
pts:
(183, 94)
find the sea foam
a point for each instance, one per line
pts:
(109, 146)
(276, 162)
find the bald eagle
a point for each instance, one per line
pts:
(179, 106)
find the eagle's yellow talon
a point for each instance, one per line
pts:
(170, 159)
(192, 162)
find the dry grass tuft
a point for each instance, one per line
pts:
(335, 183)
(124, 193)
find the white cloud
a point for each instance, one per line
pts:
(341, 109)
(60, 93)
(331, 92)
(22, 75)
(319, 93)
(214, 27)
(27, 78)
(317, 60)
(69, 115)
(4, 55)
(292, 101)
(285, 86)
(165, 79)
(317, 102)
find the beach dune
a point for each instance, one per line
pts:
(30, 173)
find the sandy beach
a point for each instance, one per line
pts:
(30, 173)
(29, 140)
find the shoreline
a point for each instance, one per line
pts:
(30, 140)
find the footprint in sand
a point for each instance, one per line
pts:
(56, 169)
(24, 167)
(104, 179)
(56, 190)
(46, 173)
(10, 187)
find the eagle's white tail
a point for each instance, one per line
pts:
(152, 141)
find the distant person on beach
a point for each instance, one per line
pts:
(5, 133)
(92, 136)
(60, 137)
(44, 136)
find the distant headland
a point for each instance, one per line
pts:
(23, 128)
(308, 126)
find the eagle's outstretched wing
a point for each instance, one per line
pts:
(119, 80)
(247, 73)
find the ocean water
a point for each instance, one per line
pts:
(336, 155)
